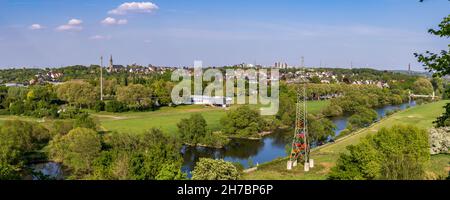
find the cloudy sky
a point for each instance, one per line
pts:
(381, 34)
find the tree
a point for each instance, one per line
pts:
(438, 86)
(422, 86)
(136, 96)
(18, 138)
(405, 151)
(360, 163)
(210, 169)
(439, 63)
(171, 171)
(62, 127)
(115, 106)
(149, 156)
(444, 119)
(78, 93)
(77, 150)
(8, 172)
(17, 108)
(84, 120)
(362, 118)
(162, 90)
(320, 129)
(332, 110)
(286, 112)
(242, 122)
(398, 153)
(193, 130)
(99, 106)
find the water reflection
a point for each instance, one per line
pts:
(49, 170)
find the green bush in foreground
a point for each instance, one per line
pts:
(210, 169)
(76, 150)
(398, 153)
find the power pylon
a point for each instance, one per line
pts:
(300, 145)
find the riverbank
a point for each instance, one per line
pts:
(325, 156)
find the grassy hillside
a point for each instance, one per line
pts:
(326, 156)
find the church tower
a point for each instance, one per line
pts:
(111, 65)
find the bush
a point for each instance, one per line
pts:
(148, 156)
(193, 130)
(8, 172)
(363, 118)
(344, 132)
(115, 106)
(99, 106)
(398, 153)
(332, 111)
(242, 122)
(76, 150)
(84, 120)
(17, 108)
(210, 169)
(62, 127)
(4, 112)
(69, 113)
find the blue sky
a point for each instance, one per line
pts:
(380, 34)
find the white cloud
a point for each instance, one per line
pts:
(36, 27)
(72, 25)
(75, 22)
(134, 7)
(112, 21)
(100, 37)
(109, 21)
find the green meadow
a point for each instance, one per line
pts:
(326, 156)
(167, 118)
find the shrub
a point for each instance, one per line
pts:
(17, 108)
(115, 106)
(398, 153)
(62, 127)
(84, 120)
(76, 150)
(332, 111)
(210, 169)
(242, 121)
(99, 106)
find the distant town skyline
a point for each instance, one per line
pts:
(381, 34)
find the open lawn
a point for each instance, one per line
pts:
(326, 156)
(166, 118)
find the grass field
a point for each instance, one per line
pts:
(326, 156)
(166, 118)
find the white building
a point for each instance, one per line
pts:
(207, 100)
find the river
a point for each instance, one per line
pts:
(252, 152)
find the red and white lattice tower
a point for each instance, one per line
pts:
(300, 145)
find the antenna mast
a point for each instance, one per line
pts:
(101, 78)
(300, 145)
